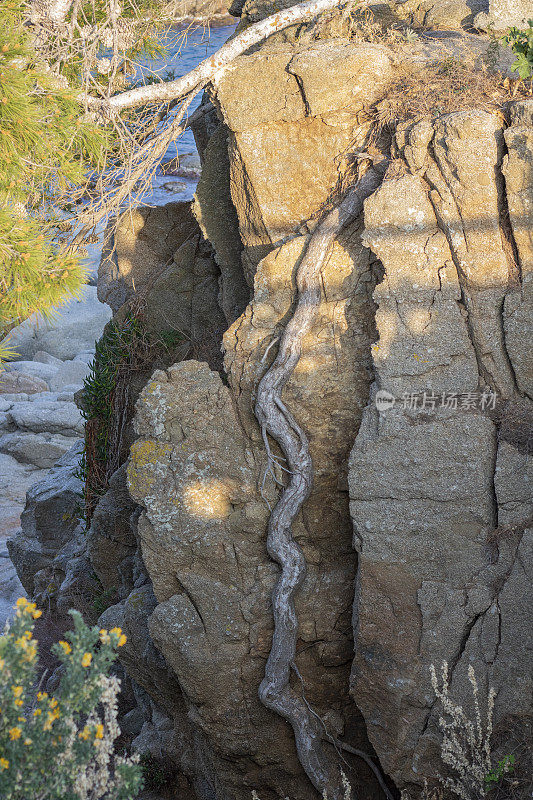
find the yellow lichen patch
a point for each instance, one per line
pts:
(145, 455)
(207, 499)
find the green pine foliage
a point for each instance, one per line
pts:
(50, 150)
(47, 148)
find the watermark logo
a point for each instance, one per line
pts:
(384, 400)
(429, 401)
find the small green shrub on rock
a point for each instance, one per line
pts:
(62, 746)
(521, 43)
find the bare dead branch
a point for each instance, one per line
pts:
(213, 66)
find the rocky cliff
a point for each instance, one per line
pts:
(412, 389)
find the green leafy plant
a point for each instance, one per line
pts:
(54, 747)
(156, 775)
(123, 349)
(170, 338)
(105, 599)
(521, 43)
(504, 765)
(115, 354)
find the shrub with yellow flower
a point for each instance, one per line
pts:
(86, 659)
(50, 744)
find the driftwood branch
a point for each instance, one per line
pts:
(213, 66)
(278, 422)
(145, 156)
(50, 10)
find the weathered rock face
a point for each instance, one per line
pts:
(429, 292)
(21, 383)
(198, 469)
(503, 14)
(442, 14)
(198, 465)
(441, 527)
(436, 14)
(140, 249)
(518, 308)
(162, 273)
(217, 218)
(111, 541)
(290, 132)
(49, 537)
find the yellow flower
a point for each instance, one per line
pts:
(2, 662)
(4, 763)
(21, 602)
(27, 741)
(104, 636)
(118, 631)
(15, 733)
(19, 702)
(30, 653)
(42, 695)
(86, 660)
(99, 733)
(52, 716)
(30, 608)
(66, 647)
(122, 640)
(22, 642)
(37, 712)
(53, 703)
(17, 690)
(37, 614)
(85, 733)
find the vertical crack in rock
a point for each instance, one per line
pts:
(275, 419)
(506, 229)
(495, 510)
(482, 291)
(300, 83)
(509, 245)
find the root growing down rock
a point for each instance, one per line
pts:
(275, 691)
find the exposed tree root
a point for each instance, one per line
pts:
(276, 420)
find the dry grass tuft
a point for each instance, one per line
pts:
(443, 87)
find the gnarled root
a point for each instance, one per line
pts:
(275, 690)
